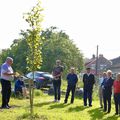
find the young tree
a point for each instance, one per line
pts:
(34, 59)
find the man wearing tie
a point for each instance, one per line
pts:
(88, 82)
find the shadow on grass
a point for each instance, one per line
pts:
(61, 105)
(96, 113)
(112, 118)
(43, 104)
(11, 107)
(76, 109)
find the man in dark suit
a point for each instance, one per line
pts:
(107, 91)
(88, 82)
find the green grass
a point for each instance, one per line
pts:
(45, 109)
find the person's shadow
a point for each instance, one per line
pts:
(60, 105)
(98, 114)
(43, 104)
(76, 109)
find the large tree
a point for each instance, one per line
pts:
(55, 45)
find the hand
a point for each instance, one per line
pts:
(16, 74)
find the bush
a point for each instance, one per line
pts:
(38, 93)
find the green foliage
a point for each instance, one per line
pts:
(38, 93)
(34, 19)
(57, 45)
(18, 52)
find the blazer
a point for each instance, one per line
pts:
(107, 86)
(88, 81)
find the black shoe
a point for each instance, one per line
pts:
(108, 112)
(90, 105)
(8, 106)
(65, 102)
(5, 107)
(104, 110)
(116, 114)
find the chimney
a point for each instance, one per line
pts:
(100, 55)
(93, 56)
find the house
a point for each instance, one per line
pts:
(98, 65)
(115, 66)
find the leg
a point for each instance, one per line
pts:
(90, 97)
(67, 94)
(105, 102)
(100, 96)
(4, 94)
(55, 90)
(119, 103)
(85, 97)
(73, 92)
(59, 89)
(116, 104)
(109, 103)
(8, 93)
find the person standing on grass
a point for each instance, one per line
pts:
(116, 87)
(6, 77)
(107, 91)
(57, 74)
(71, 80)
(88, 82)
(102, 77)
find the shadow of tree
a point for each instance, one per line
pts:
(76, 109)
(61, 105)
(96, 114)
(42, 104)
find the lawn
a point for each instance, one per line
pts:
(45, 109)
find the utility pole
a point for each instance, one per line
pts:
(96, 61)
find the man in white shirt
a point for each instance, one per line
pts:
(6, 76)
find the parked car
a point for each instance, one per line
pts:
(41, 79)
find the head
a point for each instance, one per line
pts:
(72, 70)
(109, 73)
(58, 62)
(104, 74)
(9, 61)
(88, 70)
(118, 77)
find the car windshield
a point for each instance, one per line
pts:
(38, 74)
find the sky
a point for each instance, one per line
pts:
(88, 23)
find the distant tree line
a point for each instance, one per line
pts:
(55, 45)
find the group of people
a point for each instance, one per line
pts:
(106, 82)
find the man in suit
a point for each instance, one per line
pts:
(88, 82)
(107, 91)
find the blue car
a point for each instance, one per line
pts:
(41, 79)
